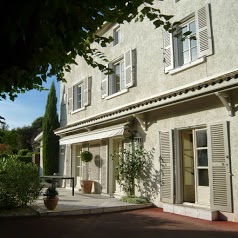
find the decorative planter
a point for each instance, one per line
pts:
(86, 186)
(51, 203)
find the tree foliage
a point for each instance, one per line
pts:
(49, 139)
(21, 137)
(46, 36)
(20, 183)
(132, 165)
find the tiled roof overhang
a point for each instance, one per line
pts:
(190, 91)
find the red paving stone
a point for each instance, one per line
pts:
(151, 223)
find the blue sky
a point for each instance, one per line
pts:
(28, 106)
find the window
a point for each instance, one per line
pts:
(202, 157)
(178, 54)
(117, 35)
(78, 96)
(187, 49)
(117, 80)
(122, 78)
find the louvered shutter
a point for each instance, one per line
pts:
(68, 164)
(87, 91)
(104, 167)
(166, 163)
(203, 27)
(104, 85)
(85, 168)
(70, 99)
(168, 51)
(219, 167)
(128, 68)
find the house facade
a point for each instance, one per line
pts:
(179, 97)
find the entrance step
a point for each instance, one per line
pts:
(190, 211)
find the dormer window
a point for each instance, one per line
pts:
(117, 35)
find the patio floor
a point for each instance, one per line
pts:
(80, 204)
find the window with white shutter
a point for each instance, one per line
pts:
(187, 50)
(123, 75)
(166, 165)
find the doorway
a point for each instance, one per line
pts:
(194, 170)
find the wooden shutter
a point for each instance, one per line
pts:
(104, 85)
(70, 99)
(104, 168)
(168, 51)
(68, 161)
(219, 167)
(128, 68)
(166, 163)
(203, 27)
(87, 91)
(85, 168)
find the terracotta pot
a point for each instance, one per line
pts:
(86, 186)
(51, 203)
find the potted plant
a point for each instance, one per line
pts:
(51, 198)
(86, 185)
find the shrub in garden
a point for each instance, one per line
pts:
(25, 159)
(23, 152)
(132, 166)
(20, 183)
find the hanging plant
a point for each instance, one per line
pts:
(86, 156)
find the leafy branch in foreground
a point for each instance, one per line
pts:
(47, 36)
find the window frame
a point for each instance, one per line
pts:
(178, 45)
(76, 87)
(112, 80)
(117, 35)
(204, 44)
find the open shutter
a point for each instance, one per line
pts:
(128, 68)
(70, 99)
(104, 159)
(85, 172)
(87, 91)
(168, 51)
(204, 36)
(104, 86)
(219, 167)
(166, 164)
(68, 164)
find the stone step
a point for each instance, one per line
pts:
(191, 211)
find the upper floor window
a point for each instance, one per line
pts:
(79, 95)
(187, 49)
(181, 54)
(117, 35)
(123, 75)
(117, 80)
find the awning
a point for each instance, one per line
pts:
(107, 132)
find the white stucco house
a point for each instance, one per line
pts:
(180, 96)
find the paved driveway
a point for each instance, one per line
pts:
(146, 223)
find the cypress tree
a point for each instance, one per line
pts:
(49, 139)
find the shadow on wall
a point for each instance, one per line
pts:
(150, 179)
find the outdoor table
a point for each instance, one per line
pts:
(55, 177)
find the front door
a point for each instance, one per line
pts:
(195, 167)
